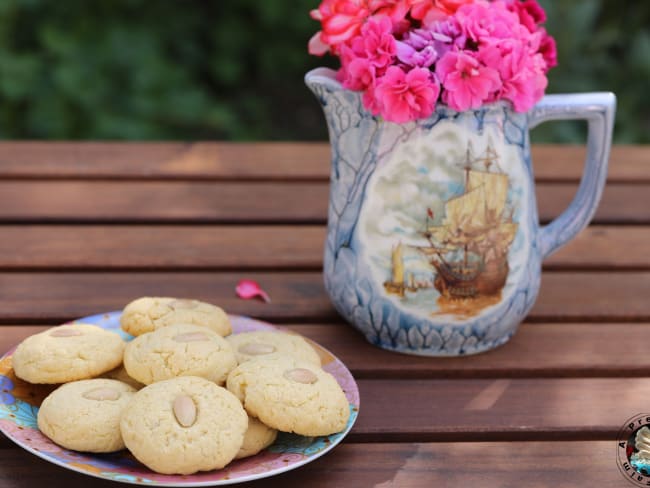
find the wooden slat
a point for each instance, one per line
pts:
(409, 465)
(566, 162)
(601, 247)
(201, 160)
(195, 202)
(621, 203)
(141, 247)
(499, 409)
(46, 297)
(236, 202)
(284, 161)
(46, 247)
(536, 351)
(297, 296)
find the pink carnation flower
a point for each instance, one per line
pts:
(485, 23)
(405, 97)
(430, 11)
(406, 54)
(395, 10)
(523, 77)
(530, 13)
(467, 82)
(358, 74)
(548, 50)
(376, 42)
(368, 54)
(341, 20)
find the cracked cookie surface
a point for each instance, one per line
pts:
(290, 395)
(150, 313)
(67, 353)
(179, 350)
(85, 415)
(184, 425)
(249, 345)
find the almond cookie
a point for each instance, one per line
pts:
(248, 345)
(290, 395)
(67, 353)
(85, 415)
(120, 374)
(184, 425)
(258, 436)
(179, 350)
(151, 313)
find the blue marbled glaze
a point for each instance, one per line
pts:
(361, 143)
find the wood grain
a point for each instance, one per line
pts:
(536, 351)
(201, 160)
(46, 247)
(155, 201)
(54, 297)
(296, 296)
(539, 350)
(262, 160)
(382, 465)
(522, 409)
(239, 202)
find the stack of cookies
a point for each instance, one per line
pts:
(183, 396)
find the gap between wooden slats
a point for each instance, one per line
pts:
(251, 161)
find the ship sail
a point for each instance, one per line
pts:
(470, 216)
(398, 265)
(495, 191)
(465, 219)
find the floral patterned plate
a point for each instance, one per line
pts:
(19, 402)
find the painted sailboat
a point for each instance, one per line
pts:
(469, 249)
(396, 285)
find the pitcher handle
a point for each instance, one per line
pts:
(598, 109)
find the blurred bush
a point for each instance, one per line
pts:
(233, 69)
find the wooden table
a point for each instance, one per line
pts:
(88, 227)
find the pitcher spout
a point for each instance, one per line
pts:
(323, 83)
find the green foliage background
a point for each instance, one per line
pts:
(233, 69)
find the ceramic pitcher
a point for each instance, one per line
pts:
(434, 245)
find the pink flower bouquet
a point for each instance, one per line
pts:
(406, 55)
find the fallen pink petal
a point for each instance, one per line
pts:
(249, 289)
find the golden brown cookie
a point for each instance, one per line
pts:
(184, 425)
(248, 345)
(67, 353)
(120, 374)
(150, 313)
(258, 436)
(179, 350)
(85, 415)
(290, 395)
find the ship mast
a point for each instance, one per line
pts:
(468, 164)
(468, 167)
(491, 157)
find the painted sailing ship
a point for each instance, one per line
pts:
(469, 249)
